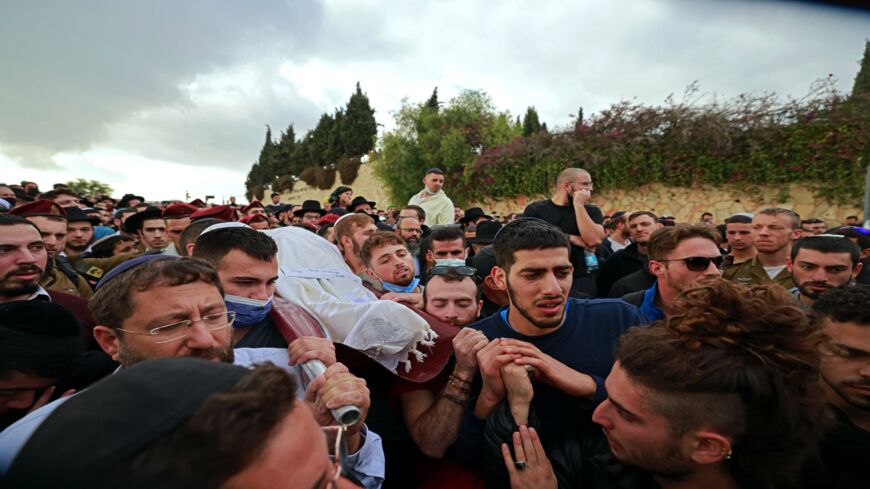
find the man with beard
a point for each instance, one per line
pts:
(351, 231)
(388, 259)
(410, 229)
(149, 226)
(568, 343)
(822, 262)
(723, 395)
(157, 306)
(569, 209)
(845, 379)
(633, 257)
(679, 256)
(773, 231)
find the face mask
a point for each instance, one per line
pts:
(248, 311)
(450, 262)
(402, 290)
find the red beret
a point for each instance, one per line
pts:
(221, 212)
(39, 208)
(255, 217)
(198, 203)
(179, 210)
(329, 218)
(250, 206)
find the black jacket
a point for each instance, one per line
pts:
(639, 280)
(581, 460)
(624, 262)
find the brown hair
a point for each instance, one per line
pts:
(205, 450)
(112, 303)
(665, 240)
(379, 239)
(634, 215)
(346, 225)
(743, 360)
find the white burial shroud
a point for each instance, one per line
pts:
(313, 275)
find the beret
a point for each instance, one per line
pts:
(179, 210)
(254, 217)
(222, 212)
(40, 207)
(250, 206)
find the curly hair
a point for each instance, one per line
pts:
(845, 305)
(743, 360)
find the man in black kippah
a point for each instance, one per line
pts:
(41, 357)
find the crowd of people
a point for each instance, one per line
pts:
(335, 344)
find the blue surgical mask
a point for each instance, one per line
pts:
(402, 290)
(248, 311)
(450, 262)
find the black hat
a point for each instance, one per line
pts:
(82, 440)
(474, 213)
(486, 231)
(74, 214)
(341, 190)
(134, 222)
(309, 206)
(483, 261)
(359, 200)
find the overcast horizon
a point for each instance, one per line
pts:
(164, 97)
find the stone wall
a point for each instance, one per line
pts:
(686, 204)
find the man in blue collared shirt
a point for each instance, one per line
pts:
(678, 257)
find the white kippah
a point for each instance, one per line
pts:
(224, 225)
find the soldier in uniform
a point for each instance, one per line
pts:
(773, 231)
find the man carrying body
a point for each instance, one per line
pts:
(822, 262)
(433, 200)
(447, 246)
(738, 233)
(633, 257)
(679, 256)
(569, 210)
(351, 232)
(568, 342)
(160, 307)
(773, 231)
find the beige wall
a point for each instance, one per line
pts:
(683, 203)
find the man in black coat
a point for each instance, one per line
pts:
(641, 225)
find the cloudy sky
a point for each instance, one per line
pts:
(165, 97)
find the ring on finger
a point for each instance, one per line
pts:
(521, 464)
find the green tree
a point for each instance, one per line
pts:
(531, 123)
(283, 156)
(433, 100)
(267, 161)
(89, 187)
(862, 79)
(450, 138)
(358, 126)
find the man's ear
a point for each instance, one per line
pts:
(108, 340)
(499, 278)
(857, 270)
(479, 308)
(342, 245)
(190, 247)
(710, 447)
(656, 268)
(789, 265)
(430, 257)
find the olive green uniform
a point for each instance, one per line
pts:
(751, 272)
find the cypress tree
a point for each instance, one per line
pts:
(358, 128)
(531, 123)
(862, 80)
(433, 100)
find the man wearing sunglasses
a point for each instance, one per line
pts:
(679, 256)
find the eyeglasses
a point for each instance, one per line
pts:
(700, 263)
(337, 446)
(181, 329)
(445, 269)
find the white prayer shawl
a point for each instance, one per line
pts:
(438, 207)
(314, 276)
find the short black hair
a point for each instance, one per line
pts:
(636, 214)
(421, 214)
(215, 245)
(827, 244)
(447, 233)
(739, 219)
(435, 170)
(192, 231)
(106, 247)
(49, 351)
(845, 305)
(13, 220)
(526, 234)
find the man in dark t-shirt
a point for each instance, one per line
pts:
(568, 344)
(569, 210)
